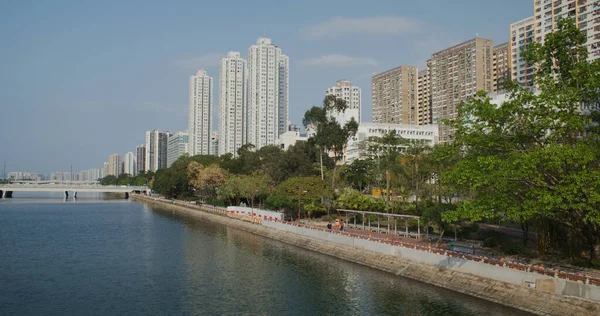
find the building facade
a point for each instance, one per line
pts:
(457, 73)
(129, 165)
(177, 146)
(214, 142)
(585, 12)
(232, 104)
(344, 89)
(522, 34)
(156, 149)
(501, 67)
(140, 154)
(356, 148)
(115, 165)
(200, 113)
(424, 98)
(394, 96)
(268, 97)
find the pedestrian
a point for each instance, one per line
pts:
(329, 226)
(342, 227)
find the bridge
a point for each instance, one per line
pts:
(6, 190)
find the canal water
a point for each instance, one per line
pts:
(115, 257)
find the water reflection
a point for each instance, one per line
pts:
(257, 274)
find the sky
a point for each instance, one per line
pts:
(81, 80)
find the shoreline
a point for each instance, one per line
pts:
(536, 301)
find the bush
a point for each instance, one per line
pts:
(491, 242)
(511, 247)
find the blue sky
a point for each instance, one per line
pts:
(80, 80)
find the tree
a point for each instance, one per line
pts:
(329, 134)
(384, 151)
(206, 180)
(301, 191)
(258, 184)
(536, 157)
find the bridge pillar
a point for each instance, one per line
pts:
(1, 194)
(66, 194)
(75, 195)
(126, 195)
(8, 194)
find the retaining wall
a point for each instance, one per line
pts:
(551, 296)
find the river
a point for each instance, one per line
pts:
(108, 257)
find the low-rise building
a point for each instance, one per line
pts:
(356, 148)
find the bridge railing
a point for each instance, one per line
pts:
(74, 186)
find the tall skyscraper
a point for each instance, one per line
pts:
(457, 73)
(129, 165)
(424, 98)
(501, 67)
(585, 12)
(214, 142)
(140, 152)
(104, 169)
(178, 145)
(268, 81)
(156, 149)
(200, 113)
(115, 165)
(522, 34)
(232, 104)
(344, 89)
(394, 96)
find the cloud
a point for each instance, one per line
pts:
(198, 62)
(378, 25)
(340, 61)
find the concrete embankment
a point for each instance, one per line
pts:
(551, 296)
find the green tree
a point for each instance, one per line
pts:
(206, 180)
(302, 191)
(536, 156)
(329, 135)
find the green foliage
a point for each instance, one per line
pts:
(306, 191)
(329, 135)
(354, 200)
(537, 155)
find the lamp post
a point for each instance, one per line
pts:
(299, 192)
(299, 188)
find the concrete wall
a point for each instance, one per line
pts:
(545, 299)
(504, 274)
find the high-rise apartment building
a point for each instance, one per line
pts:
(140, 154)
(344, 89)
(89, 175)
(268, 78)
(501, 67)
(156, 150)
(457, 73)
(394, 96)
(522, 34)
(214, 142)
(104, 169)
(232, 104)
(178, 145)
(585, 12)
(424, 98)
(200, 113)
(115, 167)
(129, 165)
